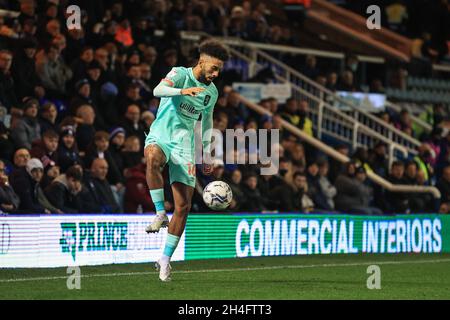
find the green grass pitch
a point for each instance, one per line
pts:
(406, 276)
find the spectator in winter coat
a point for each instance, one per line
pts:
(21, 157)
(68, 154)
(319, 198)
(47, 117)
(53, 72)
(253, 199)
(99, 149)
(85, 130)
(26, 129)
(398, 202)
(302, 197)
(8, 98)
(28, 188)
(116, 144)
(46, 149)
(9, 200)
(132, 124)
(328, 190)
(23, 71)
(63, 192)
(99, 192)
(353, 196)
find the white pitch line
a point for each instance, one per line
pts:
(329, 265)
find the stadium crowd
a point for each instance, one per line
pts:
(75, 106)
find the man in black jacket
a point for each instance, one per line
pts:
(24, 71)
(99, 149)
(27, 186)
(9, 200)
(64, 191)
(132, 124)
(254, 202)
(98, 194)
(7, 93)
(398, 202)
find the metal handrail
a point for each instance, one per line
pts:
(361, 127)
(340, 157)
(421, 123)
(336, 97)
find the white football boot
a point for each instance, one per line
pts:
(160, 221)
(164, 270)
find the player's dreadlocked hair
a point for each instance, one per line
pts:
(214, 49)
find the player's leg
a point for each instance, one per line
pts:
(155, 160)
(182, 195)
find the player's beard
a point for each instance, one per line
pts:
(203, 77)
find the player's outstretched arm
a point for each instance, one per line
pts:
(164, 89)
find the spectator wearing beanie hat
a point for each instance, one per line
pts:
(27, 129)
(116, 142)
(68, 154)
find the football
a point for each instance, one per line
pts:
(217, 195)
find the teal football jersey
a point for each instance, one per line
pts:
(183, 111)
